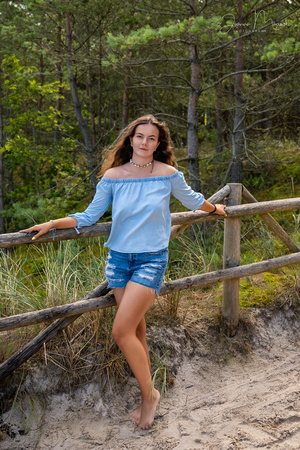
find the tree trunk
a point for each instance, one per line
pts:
(99, 96)
(219, 120)
(77, 107)
(59, 74)
(239, 116)
(42, 69)
(2, 224)
(192, 114)
(90, 94)
(268, 123)
(126, 92)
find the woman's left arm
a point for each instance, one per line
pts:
(191, 199)
(214, 209)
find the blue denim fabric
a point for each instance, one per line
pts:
(146, 269)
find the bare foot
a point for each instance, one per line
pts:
(148, 410)
(136, 415)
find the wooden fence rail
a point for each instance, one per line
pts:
(101, 298)
(72, 311)
(183, 218)
(94, 303)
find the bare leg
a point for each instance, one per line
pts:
(135, 415)
(135, 302)
(141, 328)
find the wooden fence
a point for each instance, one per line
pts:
(101, 297)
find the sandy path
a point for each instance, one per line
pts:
(247, 402)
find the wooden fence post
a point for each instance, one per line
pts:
(231, 258)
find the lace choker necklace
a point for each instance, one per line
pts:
(141, 165)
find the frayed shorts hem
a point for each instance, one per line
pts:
(137, 282)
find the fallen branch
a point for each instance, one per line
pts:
(45, 336)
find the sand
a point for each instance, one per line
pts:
(244, 396)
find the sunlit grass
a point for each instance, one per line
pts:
(38, 277)
(48, 275)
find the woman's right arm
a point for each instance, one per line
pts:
(43, 228)
(91, 215)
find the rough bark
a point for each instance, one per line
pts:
(59, 75)
(126, 92)
(192, 114)
(2, 223)
(239, 115)
(42, 81)
(219, 112)
(89, 86)
(231, 258)
(99, 94)
(77, 106)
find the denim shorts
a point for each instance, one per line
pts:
(146, 269)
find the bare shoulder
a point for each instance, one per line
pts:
(114, 172)
(162, 169)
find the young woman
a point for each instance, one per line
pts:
(138, 177)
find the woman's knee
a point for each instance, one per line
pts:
(116, 332)
(141, 330)
(119, 332)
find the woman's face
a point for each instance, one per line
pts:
(145, 141)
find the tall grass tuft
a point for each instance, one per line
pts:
(39, 277)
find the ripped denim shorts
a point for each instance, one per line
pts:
(146, 269)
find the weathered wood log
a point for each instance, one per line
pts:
(50, 314)
(228, 274)
(231, 258)
(8, 240)
(168, 287)
(238, 211)
(273, 224)
(185, 283)
(101, 289)
(45, 336)
(217, 197)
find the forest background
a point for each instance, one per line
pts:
(224, 75)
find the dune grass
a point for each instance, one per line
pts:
(37, 277)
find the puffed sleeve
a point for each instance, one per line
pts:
(97, 207)
(185, 194)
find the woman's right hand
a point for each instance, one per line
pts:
(42, 228)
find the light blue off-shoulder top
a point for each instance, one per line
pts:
(141, 219)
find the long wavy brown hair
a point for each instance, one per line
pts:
(121, 151)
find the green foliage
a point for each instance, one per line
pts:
(264, 290)
(195, 26)
(275, 169)
(280, 48)
(43, 150)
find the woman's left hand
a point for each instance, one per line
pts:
(220, 210)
